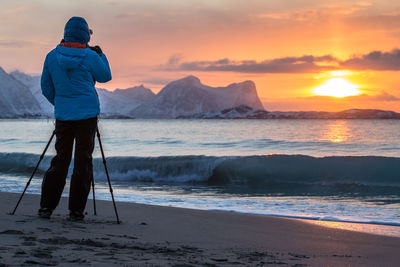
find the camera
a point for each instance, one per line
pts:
(96, 49)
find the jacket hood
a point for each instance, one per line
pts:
(77, 30)
(70, 58)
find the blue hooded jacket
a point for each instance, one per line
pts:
(68, 79)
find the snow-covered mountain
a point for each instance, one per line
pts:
(245, 112)
(239, 112)
(21, 96)
(33, 83)
(189, 96)
(114, 104)
(186, 96)
(118, 103)
(16, 100)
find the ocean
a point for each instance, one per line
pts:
(329, 170)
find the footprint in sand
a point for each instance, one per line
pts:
(48, 263)
(122, 236)
(11, 232)
(20, 253)
(29, 238)
(42, 255)
(28, 243)
(44, 229)
(23, 221)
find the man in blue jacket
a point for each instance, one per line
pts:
(68, 81)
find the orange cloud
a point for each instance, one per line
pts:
(383, 100)
(375, 60)
(313, 13)
(13, 10)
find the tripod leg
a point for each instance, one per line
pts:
(34, 171)
(108, 177)
(94, 198)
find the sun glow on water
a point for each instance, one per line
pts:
(337, 131)
(337, 87)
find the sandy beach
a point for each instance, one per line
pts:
(166, 236)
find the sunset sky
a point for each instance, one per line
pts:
(288, 47)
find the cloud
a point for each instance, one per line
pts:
(364, 4)
(174, 60)
(303, 64)
(383, 96)
(15, 43)
(156, 80)
(126, 15)
(17, 9)
(396, 34)
(375, 60)
(320, 13)
(383, 100)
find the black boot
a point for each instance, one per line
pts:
(76, 216)
(45, 213)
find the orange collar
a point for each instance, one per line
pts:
(73, 45)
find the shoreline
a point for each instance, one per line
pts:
(394, 230)
(155, 236)
(371, 227)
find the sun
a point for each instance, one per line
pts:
(337, 87)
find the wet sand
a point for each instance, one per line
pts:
(165, 236)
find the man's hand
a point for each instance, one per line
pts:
(96, 49)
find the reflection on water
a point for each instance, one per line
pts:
(386, 230)
(220, 137)
(338, 131)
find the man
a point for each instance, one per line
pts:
(69, 75)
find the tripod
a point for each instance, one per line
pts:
(94, 200)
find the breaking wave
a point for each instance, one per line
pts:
(282, 174)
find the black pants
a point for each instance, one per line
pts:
(83, 131)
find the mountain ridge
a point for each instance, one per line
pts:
(245, 112)
(187, 97)
(11, 103)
